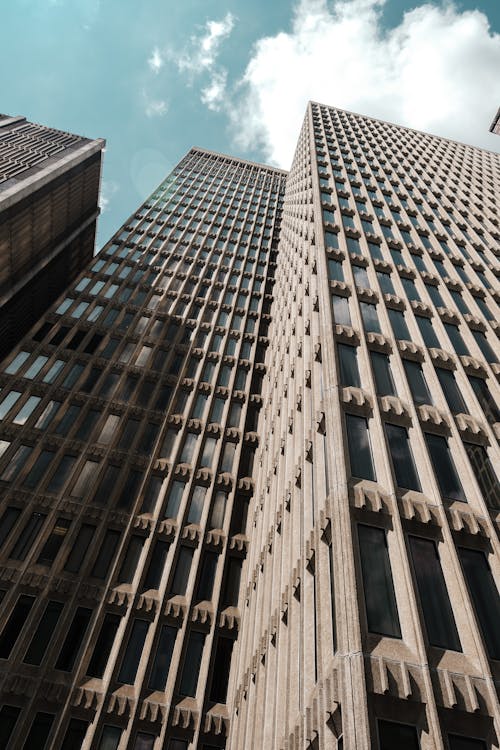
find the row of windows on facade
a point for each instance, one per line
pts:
(398, 321)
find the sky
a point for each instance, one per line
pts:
(156, 77)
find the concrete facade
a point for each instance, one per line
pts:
(49, 187)
(249, 463)
(495, 125)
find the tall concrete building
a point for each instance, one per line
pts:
(495, 125)
(249, 469)
(49, 187)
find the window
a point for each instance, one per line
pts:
(192, 663)
(103, 646)
(61, 474)
(182, 570)
(360, 452)
(133, 652)
(349, 372)
(484, 346)
(402, 457)
(74, 638)
(218, 510)
(370, 317)
(335, 272)
(458, 742)
(105, 554)
(395, 736)
(398, 324)
(131, 560)
(189, 448)
(444, 468)
(417, 382)
(53, 544)
(47, 415)
(486, 400)
(207, 577)
(380, 600)
(144, 741)
(434, 600)
(43, 634)
(451, 391)
(196, 504)
(8, 402)
(456, 339)
(383, 375)
(39, 732)
(174, 499)
(221, 669)
(162, 658)
(8, 718)
(410, 289)
(156, 565)
(341, 312)
(75, 734)
(485, 596)
(28, 536)
(361, 277)
(7, 522)
(386, 285)
(79, 549)
(484, 473)
(85, 479)
(15, 624)
(110, 738)
(16, 463)
(427, 332)
(151, 494)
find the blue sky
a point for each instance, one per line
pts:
(156, 77)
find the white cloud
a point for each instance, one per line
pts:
(156, 107)
(201, 53)
(108, 189)
(156, 61)
(213, 95)
(436, 71)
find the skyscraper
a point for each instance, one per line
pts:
(49, 186)
(495, 125)
(249, 495)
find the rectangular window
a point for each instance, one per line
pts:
(16, 463)
(47, 415)
(174, 499)
(53, 544)
(192, 663)
(103, 646)
(207, 577)
(7, 522)
(335, 272)
(459, 742)
(131, 560)
(341, 313)
(385, 281)
(106, 554)
(451, 391)
(38, 469)
(434, 599)
(395, 736)
(39, 732)
(182, 570)
(74, 639)
(444, 468)
(15, 624)
(486, 400)
(370, 317)
(75, 735)
(360, 452)
(80, 548)
(28, 536)
(8, 719)
(61, 474)
(133, 652)
(43, 634)
(110, 738)
(221, 669)
(402, 457)
(8, 402)
(485, 596)
(384, 382)
(484, 473)
(380, 599)
(399, 325)
(163, 657)
(417, 382)
(349, 372)
(85, 479)
(456, 339)
(427, 332)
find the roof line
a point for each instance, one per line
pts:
(237, 158)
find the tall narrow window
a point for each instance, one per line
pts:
(105, 554)
(110, 738)
(427, 332)
(395, 736)
(156, 565)
(380, 600)
(131, 560)
(484, 473)
(398, 323)
(192, 663)
(44, 633)
(341, 312)
(8, 719)
(75, 734)
(444, 468)
(402, 457)
(53, 544)
(451, 391)
(103, 646)
(182, 570)
(207, 576)
(360, 452)
(438, 614)
(370, 317)
(485, 596)
(163, 657)
(39, 732)
(417, 382)
(133, 652)
(15, 624)
(7, 522)
(349, 372)
(80, 547)
(28, 536)
(221, 669)
(74, 639)
(456, 339)
(384, 382)
(486, 400)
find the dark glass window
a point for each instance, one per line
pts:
(75, 735)
(451, 391)
(39, 732)
(335, 272)
(74, 639)
(15, 624)
(383, 375)
(427, 332)
(174, 499)
(370, 317)
(43, 633)
(144, 741)
(458, 742)
(484, 473)
(89, 422)
(485, 596)
(79, 549)
(483, 344)
(231, 587)
(38, 469)
(486, 400)
(456, 339)
(61, 474)
(444, 468)
(349, 372)
(361, 277)
(156, 565)
(398, 324)
(163, 657)
(434, 599)
(103, 645)
(360, 452)
(8, 718)
(395, 736)
(417, 382)
(7, 522)
(53, 544)
(106, 554)
(385, 281)
(410, 289)
(207, 577)
(341, 312)
(380, 600)
(68, 419)
(131, 560)
(107, 484)
(28, 536)
(130, 489)
(192, 663)
(182, 569)
(133, 652)
(110, 738)
(221, 669)
(402, 457)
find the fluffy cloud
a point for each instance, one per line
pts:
(155, 62)
(431, 72)
(213, 95)
(201, 53)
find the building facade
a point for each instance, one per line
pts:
(49, 187)
(495, 125)
(250, 461)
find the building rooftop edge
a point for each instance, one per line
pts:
(237, 158)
